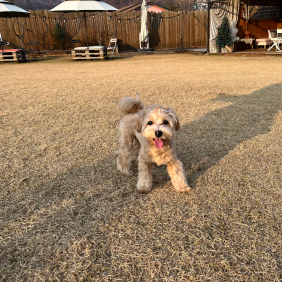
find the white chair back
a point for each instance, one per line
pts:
(113, 46)
(279, 32)
(113, 40)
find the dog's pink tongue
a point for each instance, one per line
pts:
(159, 143)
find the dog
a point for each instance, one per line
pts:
(147, 134)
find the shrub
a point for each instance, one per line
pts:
(58, 36)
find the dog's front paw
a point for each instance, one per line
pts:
(183, 189)
(143, 189)
(126, 172)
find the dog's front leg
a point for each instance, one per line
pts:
(178, 179)
(145, 179)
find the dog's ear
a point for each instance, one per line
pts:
(175, 118)
(140, 121)
(139, 126)
(177, 124)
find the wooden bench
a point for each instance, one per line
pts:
(89, 53)
(12, 55)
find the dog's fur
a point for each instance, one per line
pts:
(137, 139)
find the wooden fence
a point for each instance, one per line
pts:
(165, 29)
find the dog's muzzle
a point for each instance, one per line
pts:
(158, 133)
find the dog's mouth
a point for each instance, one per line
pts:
(158, 142)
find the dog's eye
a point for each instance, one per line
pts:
(150, 122)
(165, 122)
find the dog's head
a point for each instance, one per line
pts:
(158, 125)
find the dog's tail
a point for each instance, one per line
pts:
(129, 105)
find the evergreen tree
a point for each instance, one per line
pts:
(224, 36)
(58, 36)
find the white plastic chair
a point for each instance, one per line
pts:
(279, 32)
(3, 42)
(275, 42)
(113, 47)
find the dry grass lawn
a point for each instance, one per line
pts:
(67, 215)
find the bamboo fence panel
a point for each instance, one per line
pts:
(165, 29)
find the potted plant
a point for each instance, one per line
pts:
(224, 36)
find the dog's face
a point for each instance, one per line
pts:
(158, 125)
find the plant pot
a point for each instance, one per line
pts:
(224, 50)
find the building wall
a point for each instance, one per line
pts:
(257, 28)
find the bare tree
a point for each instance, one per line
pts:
(20, 35)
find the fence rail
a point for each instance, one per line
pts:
(57, 30)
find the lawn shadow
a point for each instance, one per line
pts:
(205, 141)
(45, 58)
(67, 207)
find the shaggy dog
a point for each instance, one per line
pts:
(147, 134)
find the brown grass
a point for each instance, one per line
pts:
(67, 215)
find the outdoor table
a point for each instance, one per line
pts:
(12, 55)
(243, 44)
(89, 53)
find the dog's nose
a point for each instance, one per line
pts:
(158, 133)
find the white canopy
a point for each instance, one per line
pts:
(83, 6)
(9, 10)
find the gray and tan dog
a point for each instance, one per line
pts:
(147, 134)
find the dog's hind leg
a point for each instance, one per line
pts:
(124, 161)
(127, 154)
(145, 179)
(135, 149)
